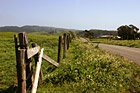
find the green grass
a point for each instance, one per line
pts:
(89, 69)
(128, 43)
(86, 68)
(8, 59)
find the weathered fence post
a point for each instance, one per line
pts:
(29, 70)
(22, 71)
(17, 63)
(36, 57)
(70, 37)
(65, 45)
(59, 49)
(21, 40)
(68, 41)
(38, 66)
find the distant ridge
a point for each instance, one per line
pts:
(55, 31)
(30, 29)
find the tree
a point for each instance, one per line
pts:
(128, 32)
(134, 30)
(89, 34)
(138, 35)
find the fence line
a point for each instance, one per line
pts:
(24, 63)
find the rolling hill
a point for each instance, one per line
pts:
(30, 29)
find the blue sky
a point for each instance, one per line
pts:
(73, 14)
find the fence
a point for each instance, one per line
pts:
(26, 81)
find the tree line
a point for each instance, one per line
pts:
(128, 32)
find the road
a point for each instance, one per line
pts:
(132, 54)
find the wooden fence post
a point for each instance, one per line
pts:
(65, 45)
(21, 40)
(59, 49)
(36, 57)
(70, 37)
(17, 63)
(22, 73)
(38, 66)
(29, 70)
(68, 41)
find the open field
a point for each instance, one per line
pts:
(8, 59)
(128, 43)
(86, 68)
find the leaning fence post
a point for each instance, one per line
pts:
(36, 57)
(65, 45)
(22, 73)
(59, 49)
(38, 66)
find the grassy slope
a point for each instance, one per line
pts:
(128, 43)
(89, 69)
(85, 69)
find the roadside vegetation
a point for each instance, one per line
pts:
(128, 43)
(87, 68)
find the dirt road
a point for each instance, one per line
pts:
(132, 54)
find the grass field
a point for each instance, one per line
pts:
(7, 55)
(128, 43)
(86, 68)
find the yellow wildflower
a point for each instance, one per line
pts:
(120, 85)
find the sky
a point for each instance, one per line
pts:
(72, 14)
